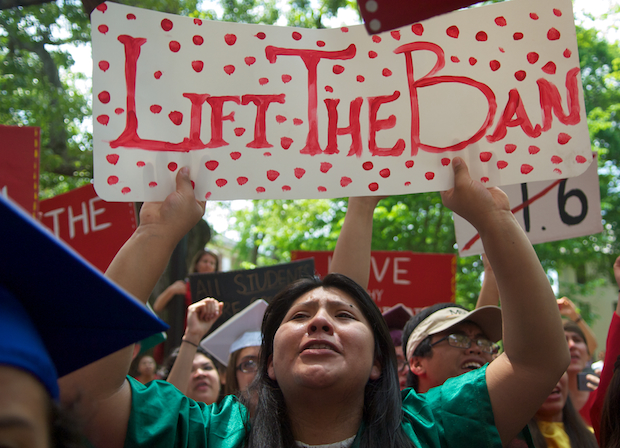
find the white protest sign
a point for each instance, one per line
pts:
(547, 211)
(274, 112)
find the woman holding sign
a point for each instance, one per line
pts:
(327, 369)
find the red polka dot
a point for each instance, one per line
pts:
(286, 142)
(325, 167)
(322, 189)
(372, 54)
(261, 35)
(176, 117)
(221, 182)
(198, 40)
(429, 175)
(344, 181)
(454, 59)
(338, 69)
(567, 53)
(495, 65)
(417, 29)
(112, 180)
(102, 7)
(563, 138)
(172, 166)
(526, 169)
(298, 121)
(104, 97)
(453, 31)
(208, 195)
(104, 65)
(376, 39)
(299, 173)
(484, 180)
(557, 170)
(557, 12)
(193, 184)
(500, 21)
(329, 89)
(385, 173)
(395, 34)
(445, 161)
(230, 39)
(407, 183)
(485, 156)
(157, 74)
(374, 186)
(296, 35)
(197, 22)
(119, 110)
(263, 81)
(533, 149)
(239, 131)
(553, 34)
(510, 148)
(174, 46)
(367, 166)
(360, 78)
(501, 50)
(140, 164)
(549, 68)
(198, 66)
(386, 72)
(286, 188)
(249, 60)
(112, 158)
(473, 61)
(166, 24)
(501, 164)
(126, 190)
(229, 69)
(235, 155)
(520, 75)
(481, 36)
(517, 36)
(320, 43)
(581, 159)
(556, 160)
(532, 57)
(103, 119)
(242, 180)
(344, 29)
(409, 163)
(534, 16)
(212, 165)
(103, 29)
(280, 118)
(286, 78)
(152, 184)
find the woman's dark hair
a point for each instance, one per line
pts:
(576, 430)
(571, 326)
(382, 411)
(196, 258)
(424, 348)
(231, 386)
(610, 415)
(65, 430)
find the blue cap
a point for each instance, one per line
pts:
(57, 312)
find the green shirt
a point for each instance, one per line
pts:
(456, 414)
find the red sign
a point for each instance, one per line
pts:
(19, 171)
(414, 279)
(94, 228)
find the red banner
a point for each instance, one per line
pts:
(19, 171)
(94, 228)
(416, 280)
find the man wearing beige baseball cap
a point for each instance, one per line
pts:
(446, 340)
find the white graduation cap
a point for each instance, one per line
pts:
(240, 331)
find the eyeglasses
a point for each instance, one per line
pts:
(462, 341)
(248, 365)
(401, 364)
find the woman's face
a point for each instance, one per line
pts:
(24, 405)
(206, 264)
(551, 409)
(146, 366)
(323, 342)
(204, 380)
(578, 352)
(246, 357)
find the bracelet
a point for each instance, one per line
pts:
(189, 342)
(579, 319)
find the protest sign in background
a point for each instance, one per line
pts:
(19, 171)
(416, 280)
(94, 228)
(273, 112)
(237, 289)
(547, 211)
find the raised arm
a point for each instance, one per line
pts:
(489, 294)
(569, 310)
(536, 354)
(100, 390)
(177, 288)
(352, 253)
(200, 318)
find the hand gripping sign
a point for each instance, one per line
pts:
(273, 112)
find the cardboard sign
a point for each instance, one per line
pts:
(94, 228)
(237, 289)
(273, 112)
(416, 280)
(547, 211)
(19, 170)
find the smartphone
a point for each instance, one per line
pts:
(582, 382)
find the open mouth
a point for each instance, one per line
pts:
(471, 365)
(319, 345)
